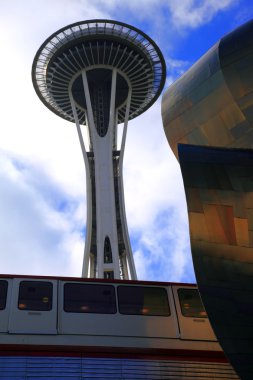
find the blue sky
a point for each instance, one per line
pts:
(42, 178)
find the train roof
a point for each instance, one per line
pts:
(100, 280)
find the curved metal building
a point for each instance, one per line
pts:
(209, 112)
(101, 73)
(212, 103)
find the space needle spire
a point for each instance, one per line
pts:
(99, 74)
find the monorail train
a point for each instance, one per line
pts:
(80, 327)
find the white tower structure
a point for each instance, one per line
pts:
(100, 73)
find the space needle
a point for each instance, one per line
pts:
(99, 74)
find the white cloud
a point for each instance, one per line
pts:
(186, 14)
(175, 68)
(164, 248)
(37, 236)
(194, 13)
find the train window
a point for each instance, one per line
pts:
(3, 294)
(141, 300)
(89, 298)
(35, 295)
(191, 304)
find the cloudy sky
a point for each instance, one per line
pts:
(42, 177)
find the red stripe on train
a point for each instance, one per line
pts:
(112, 352)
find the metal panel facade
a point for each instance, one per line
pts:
(219, 190)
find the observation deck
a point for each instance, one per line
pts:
(100, 44)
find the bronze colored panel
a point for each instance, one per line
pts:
(222, 244)
(197, 224)
(250, 238)
(209, 106)
(216, 132)
(220, 223)
(232, 115)
(239, 205)
(242, 231)
(224, 197)
(177, 132)
(250, 218)
(196, 136)
(194, 200)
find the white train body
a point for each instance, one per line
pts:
(43, 316)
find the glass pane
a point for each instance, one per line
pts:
(35, 295)
(109, 275)
(107, 251)
(191, 304)
(87, 298)
(3, 294)
(142, 300)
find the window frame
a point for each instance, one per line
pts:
(6, 294)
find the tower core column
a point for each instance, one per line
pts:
(107, 252)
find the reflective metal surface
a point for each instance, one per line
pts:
(219, 190)
(212, 103)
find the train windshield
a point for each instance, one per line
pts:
(3, 294)
(141, 300)
(191, 304)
